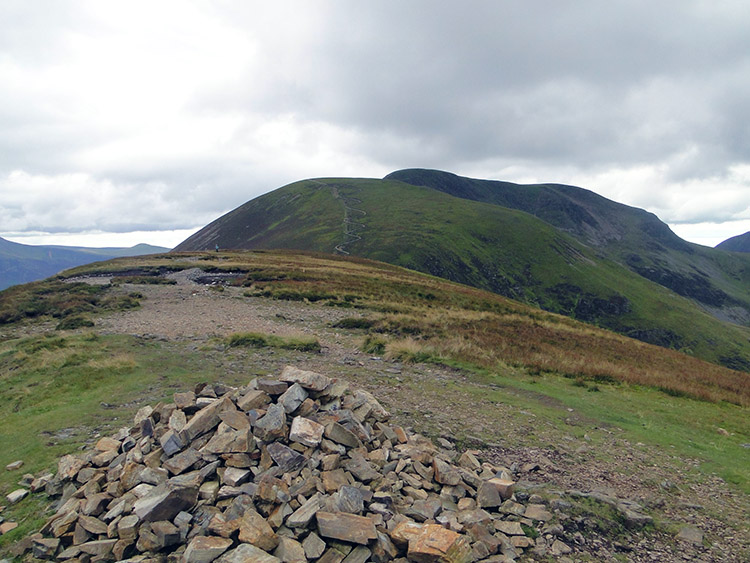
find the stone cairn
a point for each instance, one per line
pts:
(303, 468)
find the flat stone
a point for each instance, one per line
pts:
(436, 544)
(182, 461)
(92, 525)
(14, 466)
(272, 425)
(537, 512)
(204, 549)
(313, 546)
(509, 528)
(165, 501)
(362, 469)
(232, 441)
(359, 554)
(236, 419)
(205, 419)
(334, 480)
(172, 442)
(166, 533)
(255, 529)
(6, 527)
(307, 379)
(253, 399)
(17, 495)
(184, 400)
(107, 444)
(347, 499)
(341, 435)
(127, 527)
(234, 476)
(177, 420)
(285, 457)
(691, 534)
(271, 386)
(98, 548)
(292, 398)
(247, 553)
(290, 551)
(504, 487)
(68, 467)
(345, 527)
(425, 509)
(301, 517)
(45, 548)
(445, 473)
(306, 431)
(488, 496)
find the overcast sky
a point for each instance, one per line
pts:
(136, 117)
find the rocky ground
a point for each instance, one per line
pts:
(697, 520)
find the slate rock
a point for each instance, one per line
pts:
(345, 527)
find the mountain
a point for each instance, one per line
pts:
(561, 248)
(21, 263)
(740, 243)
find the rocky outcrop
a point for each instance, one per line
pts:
(299, 468)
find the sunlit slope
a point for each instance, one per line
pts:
(484, 245)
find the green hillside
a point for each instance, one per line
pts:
(492, 247)
(740, 243)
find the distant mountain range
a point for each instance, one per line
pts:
(21, 263)
(562, 248)
(740, 243)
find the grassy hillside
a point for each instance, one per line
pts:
(515, 374)
(487, 246)
(740, 243)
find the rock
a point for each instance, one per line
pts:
(559, 548)
(165, 501)
(436, 544)
(313, 546)
(290, 551)
(359, 554)
(203, 549)
(253, 399)
(301, 517)
(341, 435)
(247, 553)
(255, 529)
(292, 398)
(14, 466)
(98, 548)
(504, 487)
(205, 419)
(509, 528)
(17, 495)
(44, 548)
(271, 386)
(537, 512)
(307, 379)
(345, 527)
(172, 442)
(306, 431)
(444, 473)
(285, 457)
(488, 496)
(691, 534)
(68, 467)
(272, 425)
(6, 527)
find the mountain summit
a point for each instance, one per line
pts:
(562, 248)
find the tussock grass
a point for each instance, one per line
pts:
(259, 340)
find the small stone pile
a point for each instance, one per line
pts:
(303, 468)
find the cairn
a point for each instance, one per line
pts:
(296, 469)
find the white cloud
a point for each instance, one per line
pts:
(165, 115)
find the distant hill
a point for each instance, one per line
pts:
(740, 243)
(21, 263)
(562, 248)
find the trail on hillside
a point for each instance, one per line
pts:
(352, 228)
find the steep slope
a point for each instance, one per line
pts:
(631, 236)
(506, 251)
(21, 263)
(740, 243)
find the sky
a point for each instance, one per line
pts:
(129, 122)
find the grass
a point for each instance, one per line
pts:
(259, 340)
